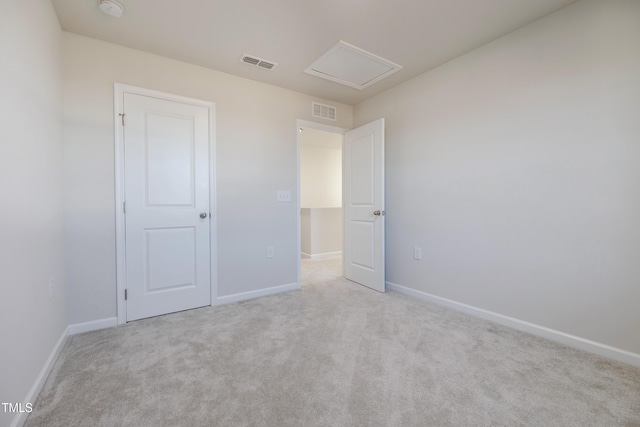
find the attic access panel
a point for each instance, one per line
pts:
(352, 66)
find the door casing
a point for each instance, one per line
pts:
(119, 91)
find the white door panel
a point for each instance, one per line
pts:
(362, 171)
(169, 148)
(166, 191)
(364, 205)
(362, 252)
(171, 254)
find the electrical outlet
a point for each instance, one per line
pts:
(417, 253)
(270, 252)
(50, 288)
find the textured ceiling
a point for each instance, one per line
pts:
(417, 34)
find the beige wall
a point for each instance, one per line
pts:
(516, 168)
(256, 138)
(320, 169)
(320, 177)
(31, 185)
(321, 230)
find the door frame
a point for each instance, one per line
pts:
(325, 128)
(119, 90)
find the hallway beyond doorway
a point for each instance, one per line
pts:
(316, 271)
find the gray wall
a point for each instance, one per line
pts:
(516, 168)
(256, 137)
(31, 188)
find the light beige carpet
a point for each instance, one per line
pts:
(331, 354)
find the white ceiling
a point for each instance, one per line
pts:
(417, 34)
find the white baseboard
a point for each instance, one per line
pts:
(320, 256)
(20, 418)
(94, 325)
(77, 328)
(600, 349)
(242, 296)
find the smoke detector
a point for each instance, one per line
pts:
(111, 8)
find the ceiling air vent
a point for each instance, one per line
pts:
(323, 111)
(258, 62)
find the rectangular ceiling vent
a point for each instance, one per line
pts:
(323, 111)
(258, 62)
(352, 66)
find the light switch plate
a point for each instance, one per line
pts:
(284, 196)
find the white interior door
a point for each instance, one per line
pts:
(166, 156)
(363, 256)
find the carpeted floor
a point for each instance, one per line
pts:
(331, 354)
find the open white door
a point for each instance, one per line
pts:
(166, 175)
(363, 193)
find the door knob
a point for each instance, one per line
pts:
(376, 213)
(203, 215)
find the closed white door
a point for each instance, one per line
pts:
(363, 256)
(166, 155)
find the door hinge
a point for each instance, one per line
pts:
(124, 207)
(122, 117)
(125, 294)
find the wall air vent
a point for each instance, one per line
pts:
(258, 62)
(323, 111)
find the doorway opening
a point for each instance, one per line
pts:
(362, 207)
(320, 193)
(321, 218)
